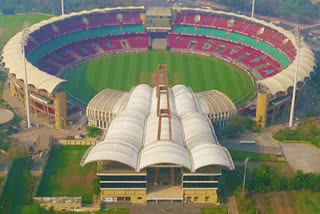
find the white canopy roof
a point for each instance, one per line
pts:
(12, 54)
(14, 60)
(132, 137)
(274, 84)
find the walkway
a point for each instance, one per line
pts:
(299, 156)
(302, 157)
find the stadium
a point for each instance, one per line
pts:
(264, 51)
(160, 137)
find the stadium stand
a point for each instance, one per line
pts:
(77, 36)
(264, 50)
(84, 49)
(234, 51)
(251, 30)
(207, 45)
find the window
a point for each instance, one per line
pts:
(196, 198)
(188, 199)
(123, 198)
(139, 198)
(200, 185)
(207, 198)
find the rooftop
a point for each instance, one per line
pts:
(140, 136)
(159, 11)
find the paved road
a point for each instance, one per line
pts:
(302, 157)
(264, 143)
(299, 156)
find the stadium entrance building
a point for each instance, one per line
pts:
(160, 144)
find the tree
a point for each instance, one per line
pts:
(237, 126)
(4, 207)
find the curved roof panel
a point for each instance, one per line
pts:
(206, 154)
(13, 57)
(165, 152)
(139, 131)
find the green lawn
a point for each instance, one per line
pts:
(13, 24)
(125, 71)
(37, 209)
(306, 202)
(111, 211)
(64, 176)
(308, 132)
(242, 155)
(300, 202)
(214, 210)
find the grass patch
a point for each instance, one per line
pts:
(214, 210)
(246, 205)
(37, 209)
(18, 189)
(63, 175)
(124, 71)
(268, 204)
(242, 155)
(13, 24)
(299, 202)
(111, 211)
(305, 202)
(306, 132)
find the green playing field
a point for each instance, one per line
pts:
(124, 71)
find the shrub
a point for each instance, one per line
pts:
(308, 181)
(93, 131)
(237, 125)
(37, 209)
(261, 177)
(96, 186)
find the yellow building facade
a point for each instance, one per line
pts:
(199, 196)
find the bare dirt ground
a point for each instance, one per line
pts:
(158, 78)
(33, 134)
(261, 206)
(281, 202)
(278, 203)
(78, 180)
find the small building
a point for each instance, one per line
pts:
(158, 19)
(60, 203)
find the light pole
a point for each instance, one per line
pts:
(62, 7)
(244, 176)
(252, 9)
(298, 42)
(24, 42)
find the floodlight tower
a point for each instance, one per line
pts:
(252, 10)
(298, 43)
(62, 7)
(24, 42)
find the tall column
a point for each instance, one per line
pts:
(62, 7)
(156, 177)
(172, 176)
